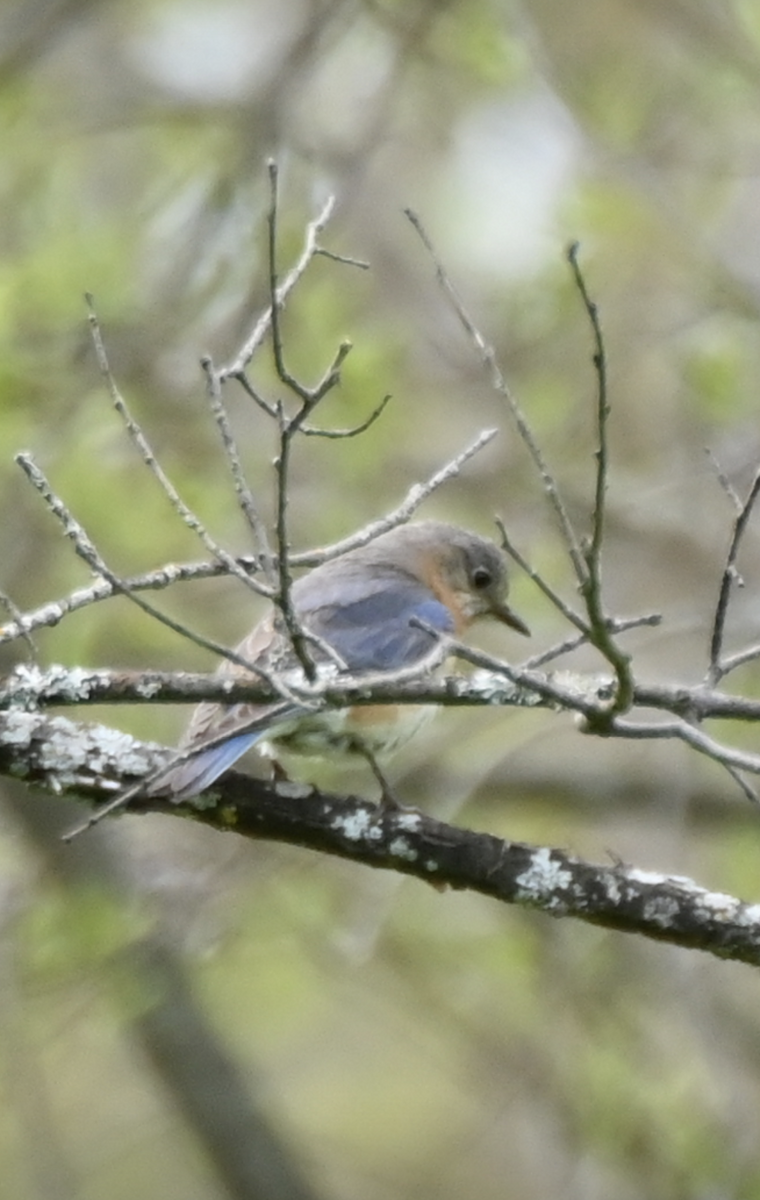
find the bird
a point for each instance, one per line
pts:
(381, 607)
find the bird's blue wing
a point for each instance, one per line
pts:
(377, 632)
(373, 632)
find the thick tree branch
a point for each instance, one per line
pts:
(79, 760)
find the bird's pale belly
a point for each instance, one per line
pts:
(378, 729)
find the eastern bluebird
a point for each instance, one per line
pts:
(372, 607)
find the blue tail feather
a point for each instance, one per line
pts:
(199, 772)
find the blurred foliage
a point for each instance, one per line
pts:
(411, 1042)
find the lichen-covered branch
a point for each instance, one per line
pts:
(93, 761)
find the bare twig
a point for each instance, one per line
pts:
(616, 625)
(591, 588)
(589, 698)
(287, 428)
(724, 481)
(750, 793)
(415, 497)
(347, 259)
(716, 668)
(594, 552)
(739, 760)
(310, 431)
(567, 612)
(732, 661)
(256, 396)
(274, 299)
(88, 552)
(283, 599)
(242, 490)
(17, 619)
(311, 248)
(53, 612)
(488, 357)
(141, 442)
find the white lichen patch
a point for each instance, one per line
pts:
(291, 790)
(23, 686)
(749, 915)
(582, 687)
(147, 688)
(652, 878)
(719, 903)
(410, 821)
(661, 910)
(614, 894)
(357, 826)
(74, 682)
(543, 875)
(112, 749)
(492, 688)
(28, 683)
(19, 727)
(400, 848)
(64, 755)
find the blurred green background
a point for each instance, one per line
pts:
(400, 1041)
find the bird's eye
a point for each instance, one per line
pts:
(481, 578)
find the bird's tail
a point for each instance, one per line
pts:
(193, 776)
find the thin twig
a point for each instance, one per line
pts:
(17, 618)
(141, 442)
(347, 259)
(733, 661)
(488, 357)
(550, 690)
(311, 431)
(286, 430)
(283, 599)
(716, 669)
(311, 248)
(749, 792)
(52, 613)
(242, 490)
(88, 552)
(313, 396)
(274, 300)
(591, 588)
(593, 555)
(541, 685)
(685, 732)
(616, 625)
(255, 395)
(724, 481)
(418, 493)
(567, 612)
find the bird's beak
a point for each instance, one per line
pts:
(504, 613)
